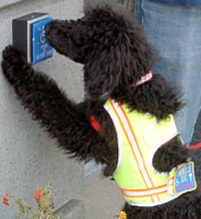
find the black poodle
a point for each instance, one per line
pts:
(126, 121)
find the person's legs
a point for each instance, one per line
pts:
(175, 33)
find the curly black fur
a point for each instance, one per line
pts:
(115, 54)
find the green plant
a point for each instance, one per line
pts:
(45, 204)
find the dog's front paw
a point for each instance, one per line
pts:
(13, 62)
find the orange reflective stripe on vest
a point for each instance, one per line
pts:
(139, 182)
(125, 123)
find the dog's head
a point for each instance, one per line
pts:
(110, 44)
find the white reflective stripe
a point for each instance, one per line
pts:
(144, 193)
(160, 142)
(147, 129)
(153, 204)
(155, 198)
(171, 182)
(134, 145)
(118, 131)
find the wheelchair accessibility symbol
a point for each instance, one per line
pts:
(42, 35)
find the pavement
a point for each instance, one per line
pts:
(197, 132)
(101, 197)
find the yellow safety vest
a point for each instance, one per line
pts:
(139, 137)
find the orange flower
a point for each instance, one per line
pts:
(122, 215)
(38, 194)
(6, 201)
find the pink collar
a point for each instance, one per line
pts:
(145, 78)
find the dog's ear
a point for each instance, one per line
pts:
(102, 73)
(121, 55)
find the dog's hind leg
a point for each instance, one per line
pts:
(62, 118)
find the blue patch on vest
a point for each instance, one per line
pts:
(185, 178)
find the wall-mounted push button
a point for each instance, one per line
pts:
(29, 35)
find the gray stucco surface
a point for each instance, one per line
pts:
(28, 156)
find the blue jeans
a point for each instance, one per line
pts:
(175, 32)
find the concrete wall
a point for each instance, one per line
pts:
(95, 2)
(127, 3)
(28, 157)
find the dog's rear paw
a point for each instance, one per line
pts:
(14, 61)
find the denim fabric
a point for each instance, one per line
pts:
(175, 32)
(187, 3)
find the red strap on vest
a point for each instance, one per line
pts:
(95, 124)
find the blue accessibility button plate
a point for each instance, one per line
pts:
(41, 50)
